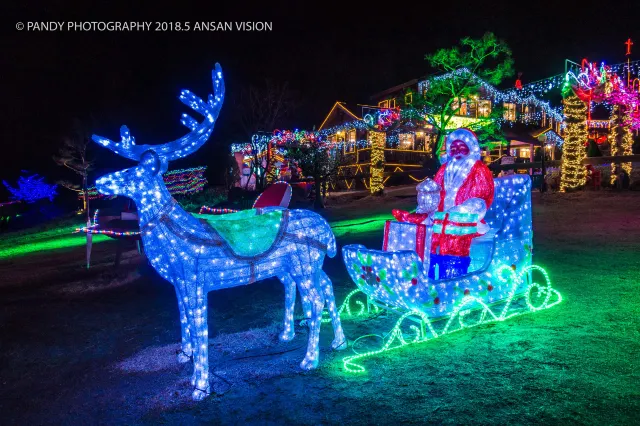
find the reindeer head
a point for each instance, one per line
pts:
(143, 183)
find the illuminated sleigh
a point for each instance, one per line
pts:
(499, 283)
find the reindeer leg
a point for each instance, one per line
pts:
(310, 287)
(339, 340)
(289, 305)
(306, 306)
(196, 311)
(186, 347)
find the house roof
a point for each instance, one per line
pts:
(522, 136)
(498, 95)
(394, 89)
(337, 108)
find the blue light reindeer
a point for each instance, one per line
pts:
(197, 257)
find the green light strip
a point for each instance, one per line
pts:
(50, 244)
(347, 307)
(396, 339)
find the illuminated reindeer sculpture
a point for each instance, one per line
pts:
(196, 259)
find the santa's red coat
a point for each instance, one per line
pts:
(479, 184)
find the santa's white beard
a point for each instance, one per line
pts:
(455, 173)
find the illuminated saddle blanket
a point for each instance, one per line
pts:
(249, 232)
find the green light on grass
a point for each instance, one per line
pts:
(373, 223)
(52, 239)
(471, 312)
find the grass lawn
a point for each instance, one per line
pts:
(98, 346)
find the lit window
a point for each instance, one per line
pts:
(460, 106)
(349, 147)
(471, 107)
(408, 98)
(422, 87)
(524, 153)
(484, 108)
(352, 136)
(406, 140)
(509, 111)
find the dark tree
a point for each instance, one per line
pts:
(261, 110)
(318, 162)
(74, 155)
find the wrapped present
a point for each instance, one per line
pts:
(405, 236)
(453, 233)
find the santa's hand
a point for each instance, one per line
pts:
(472, 206)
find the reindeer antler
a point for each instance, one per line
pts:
(187, 144)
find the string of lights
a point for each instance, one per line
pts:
(7, 203)
(471, 312)
(575, 137)
(179, 182)
(198, 258)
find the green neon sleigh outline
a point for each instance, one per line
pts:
(396, 340)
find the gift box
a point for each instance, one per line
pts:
(453, 233)
(405, 236)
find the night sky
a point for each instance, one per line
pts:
(326, 53)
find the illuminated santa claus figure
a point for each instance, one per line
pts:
(466, 193)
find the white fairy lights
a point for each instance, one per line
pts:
(200, 256)
(399, 278)
(500, 277)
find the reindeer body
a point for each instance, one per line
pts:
(196, 259)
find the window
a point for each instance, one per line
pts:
(350, 143)
(422, 87)
(349, 147)
(524, 153)
(484, 108)
(509, 111)
(460, 106)
(408, 98)
(387, 103)
(406, 141)
(472, 107)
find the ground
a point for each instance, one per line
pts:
(98, 346)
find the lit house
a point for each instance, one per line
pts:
(386, 143)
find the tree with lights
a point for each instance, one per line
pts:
(74, 156)
(621, 141)
(31, 189)
(486, 58)
(576, 135)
